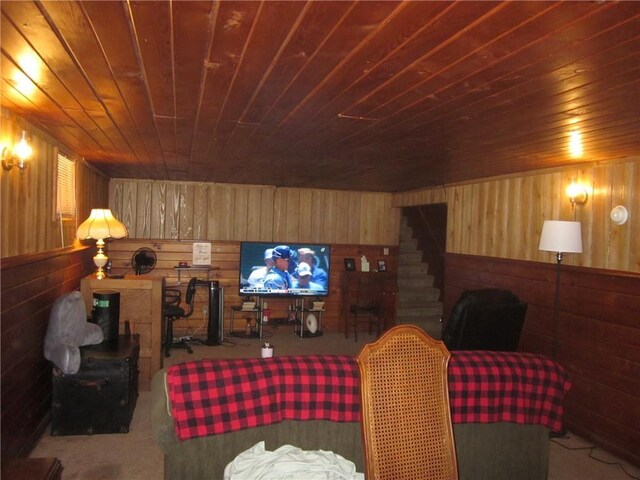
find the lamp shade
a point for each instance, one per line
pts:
(559, 236)
(101, 224)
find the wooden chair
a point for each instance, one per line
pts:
(406, 419)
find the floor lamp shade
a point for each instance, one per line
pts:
(561, 237)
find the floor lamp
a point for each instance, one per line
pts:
(559, 237)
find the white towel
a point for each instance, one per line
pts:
(290, 463)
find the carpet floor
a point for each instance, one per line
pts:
(134, 455)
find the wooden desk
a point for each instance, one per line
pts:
(140, 305)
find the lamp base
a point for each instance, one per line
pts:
(100, 259)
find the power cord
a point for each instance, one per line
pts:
(592, 449)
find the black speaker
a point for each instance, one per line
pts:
(215, 330)
(106, 312)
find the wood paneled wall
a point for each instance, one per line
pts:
(219, 212)
(34, 272)
(225, 263)
(29, 286)
(28, 223)
(598, 337)
(503, 217)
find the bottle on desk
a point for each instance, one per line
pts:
(247, 330)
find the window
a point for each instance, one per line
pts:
(66, 189)
(65, 200)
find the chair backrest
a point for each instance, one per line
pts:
(485, 319)
(190, 295)
(406, 418)
(370, 290)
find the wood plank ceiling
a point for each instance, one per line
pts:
(359, 95)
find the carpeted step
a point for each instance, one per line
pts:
(418, 297)
(432, 309)
(408, 258)
(413, 270)
(423, 282)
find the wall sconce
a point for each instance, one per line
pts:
(577, 194)
(101, 224)
(18, 156)
(619, 215)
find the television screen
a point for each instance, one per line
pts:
(286, 269)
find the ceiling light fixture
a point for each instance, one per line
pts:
(575, 143)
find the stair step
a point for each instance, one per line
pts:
(408, 245)
(423, 282)
(413, 269)
(418, 297)
(409, 257)
(422, 311)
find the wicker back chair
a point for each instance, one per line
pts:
(405, 407)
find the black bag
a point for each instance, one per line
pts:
(101, 397)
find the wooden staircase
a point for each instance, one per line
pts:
(418, 299)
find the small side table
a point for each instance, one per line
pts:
(257, 311)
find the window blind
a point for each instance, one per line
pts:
(66, 196)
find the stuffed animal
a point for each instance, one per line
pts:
(68, 329)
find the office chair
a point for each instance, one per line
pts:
(485, 319)
(172, 311)
(406, 419)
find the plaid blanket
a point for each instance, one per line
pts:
(210, 397)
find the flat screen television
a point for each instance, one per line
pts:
(307, 273)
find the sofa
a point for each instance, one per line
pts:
(206, 412)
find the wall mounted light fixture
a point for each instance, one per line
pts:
(577, 194)
(18, 156)
(619, 215)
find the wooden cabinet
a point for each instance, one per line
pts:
(141, 306)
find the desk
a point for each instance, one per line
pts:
(141, 300)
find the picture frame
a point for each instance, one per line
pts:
(382, 266)
(201, 254)
(349, 264)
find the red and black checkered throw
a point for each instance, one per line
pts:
(217, 396)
